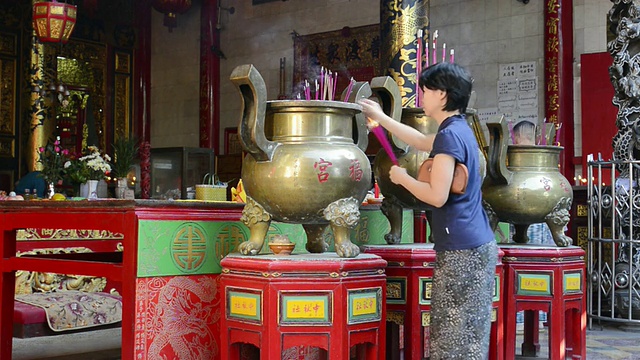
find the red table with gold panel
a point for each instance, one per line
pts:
(330, 307)
(409, 278)
(552, 280)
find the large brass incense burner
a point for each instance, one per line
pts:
(396, 197)
(524, 186)
(305, 164)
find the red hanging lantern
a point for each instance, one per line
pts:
(54, 21)
(170, 8)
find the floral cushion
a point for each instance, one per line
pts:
(71, 310)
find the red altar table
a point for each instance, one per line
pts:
(274, 303)
(549, 279)
(149, 251)
(409, 277)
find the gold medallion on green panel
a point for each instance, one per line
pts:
(189, 247)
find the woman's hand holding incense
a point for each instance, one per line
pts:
(396, 174)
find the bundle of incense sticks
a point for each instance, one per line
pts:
(548, 133)
(347, 92)
(434, 45)
(418, 69)
(378, 131)
(326, 87)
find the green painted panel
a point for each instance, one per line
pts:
(181, 247)
(168, 248)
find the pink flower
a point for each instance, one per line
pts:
(57, 149)
(65, 152)
(56, 143)
(41, 149)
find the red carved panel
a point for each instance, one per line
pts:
(178, 318)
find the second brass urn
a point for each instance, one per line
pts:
(305, 164)
(524, 186)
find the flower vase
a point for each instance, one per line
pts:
(122, 187)
(93, 189)
(89, 189)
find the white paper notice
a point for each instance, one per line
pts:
(517, 91)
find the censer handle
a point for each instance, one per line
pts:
(254, 104)
(360, 90)
(498, 146)
(386, 89)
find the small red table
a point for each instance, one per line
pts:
(274, 303)
(409, 277)
(549, 279)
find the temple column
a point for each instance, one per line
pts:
(209, 76)
(558, 75)
(399, 25)
(40, 124)
(142, 73)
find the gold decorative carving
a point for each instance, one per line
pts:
(7, 98)
(396, 317)
(8, 44)
(84, 65)
(394, 290)
(31, 234)
(121, 116)
(401, 22)
(6, 147)
(426, 319)
(28, 282)
(122, 62)
(582, 210)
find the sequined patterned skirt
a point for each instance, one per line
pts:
(463, 284)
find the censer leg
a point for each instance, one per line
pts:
(557, 220)
(315, 238)
(520, 236)
(343, 215)
(392, 209)
(257, 219)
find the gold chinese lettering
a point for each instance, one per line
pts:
(552, 25)
(553, 44)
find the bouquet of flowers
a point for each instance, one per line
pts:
(97, 162)
(52, 158)
(93, 165)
